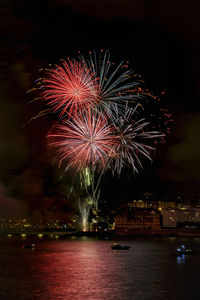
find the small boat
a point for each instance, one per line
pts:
(32, 246)
(183, 250)
(120, 247)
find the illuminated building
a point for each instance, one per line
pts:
(152, 204)
(138, 204)
(169, 217)
(167, 204)
(185, 214)
(141, 219)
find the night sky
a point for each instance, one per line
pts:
(161, 40)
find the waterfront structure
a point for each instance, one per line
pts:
(140, 219)
(169, 217)
(152, 204)
(184, 214)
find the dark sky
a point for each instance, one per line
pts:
(162, 41)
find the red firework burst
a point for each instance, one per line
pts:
(70, 88)
(87, 140)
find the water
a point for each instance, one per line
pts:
(85, 268)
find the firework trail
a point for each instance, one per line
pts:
(88, 204)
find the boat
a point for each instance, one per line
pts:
(183, 250)
(120, 247)
(32, 246)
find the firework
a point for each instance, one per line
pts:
(88, 83)
(154, 112)
(107, 121)
(135, 142)
(115, 86)
(85, 141)
(69, 88)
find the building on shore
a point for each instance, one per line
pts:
(152, 204)
(184, 214)
(139, 219)
(167, 214)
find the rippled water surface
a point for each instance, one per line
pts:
(85, 268)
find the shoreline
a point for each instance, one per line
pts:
(172, 232)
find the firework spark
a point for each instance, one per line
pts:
(87, 140)
(134, 142)
(115, 86)
(154, 112)
(69, 88)
(94, 82)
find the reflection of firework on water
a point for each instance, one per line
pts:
(115, 86)
(134, 142)
(69, 87)
(86, 140)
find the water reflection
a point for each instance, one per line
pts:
(83, 268)
(181, 259)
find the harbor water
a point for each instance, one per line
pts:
(81, 268)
